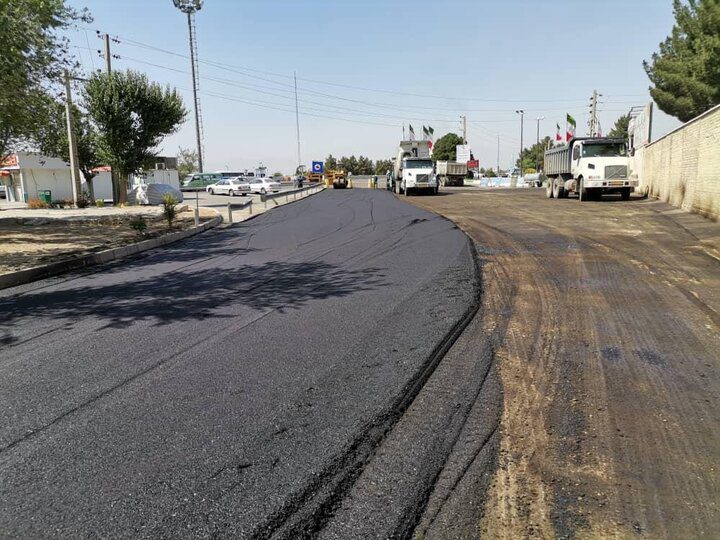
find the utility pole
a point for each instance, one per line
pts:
(72, 141)
(593, 124)
(498, 157)
(521, 112)
(297, 119)
(108, 65)
(539, 118)
(114, 181)
(464, 129)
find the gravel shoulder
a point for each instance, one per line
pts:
(604, 322)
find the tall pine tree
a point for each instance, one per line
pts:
(686, 70)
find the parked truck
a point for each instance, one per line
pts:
(413, 168)
(451, 173)
(588, 167)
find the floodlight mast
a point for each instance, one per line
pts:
(189, 7)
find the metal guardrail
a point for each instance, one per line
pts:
(294, 193)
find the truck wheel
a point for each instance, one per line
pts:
(582, 192)
(549, 188)
(558, 189)
(625, 194)
(461, 183)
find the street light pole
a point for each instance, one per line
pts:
(521, 112)
(538, 127)
(190, 7)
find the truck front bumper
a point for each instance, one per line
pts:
(616, 183)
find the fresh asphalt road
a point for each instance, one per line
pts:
(220, 386)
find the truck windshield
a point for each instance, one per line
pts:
(419, 164)
(603, 150)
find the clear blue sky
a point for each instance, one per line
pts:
(475, 57)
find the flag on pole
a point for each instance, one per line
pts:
(558, 137)
(412, 133)
(431, 135)
(571, 127)
(425, 133)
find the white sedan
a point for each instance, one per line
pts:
(229, 186)
(264, 185)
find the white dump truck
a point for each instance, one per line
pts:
(451, 173)
(413, 169)
(588, 167)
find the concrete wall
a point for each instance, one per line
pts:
(683, 167)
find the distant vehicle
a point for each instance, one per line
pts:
(229, 186)
(413, 168)
(230, 174)
(589, 167)
(535, 179)
(263, 185)
(451, 173)
(199, 180)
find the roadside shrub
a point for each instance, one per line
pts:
(57, 203)
(169, 204)
(84, 200)
(139, 224)
(99, 203)
(35, 204)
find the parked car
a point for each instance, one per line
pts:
(229, 186)
(264, 185)
(199, 180)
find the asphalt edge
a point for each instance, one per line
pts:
(306, 516)
(36, 273)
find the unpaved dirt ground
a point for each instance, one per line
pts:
(604, 321)
(28, 243)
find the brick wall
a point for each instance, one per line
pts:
(683, 167)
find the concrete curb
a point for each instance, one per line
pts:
(28, 275)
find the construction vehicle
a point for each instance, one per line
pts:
(413, 168)
(451, 173)
(337, 178)
(589, 167)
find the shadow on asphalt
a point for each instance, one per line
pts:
(186, 292)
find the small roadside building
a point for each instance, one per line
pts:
(26, 174)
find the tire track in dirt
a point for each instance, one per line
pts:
(607, 348)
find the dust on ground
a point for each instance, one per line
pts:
(605, 321)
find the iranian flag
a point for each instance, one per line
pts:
(558, 137)
(431, 134)
(412, 133)
(571, 125)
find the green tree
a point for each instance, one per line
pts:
(686, 70)
(445, 147)
(51, 139)
(33, 55)
(534, 157)
(331, 163)
(349, 164)
(382, 166)
(364, 165)
(133, 116)
(620, 129)
(277, 175)
(187, 161)
(490, 173)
